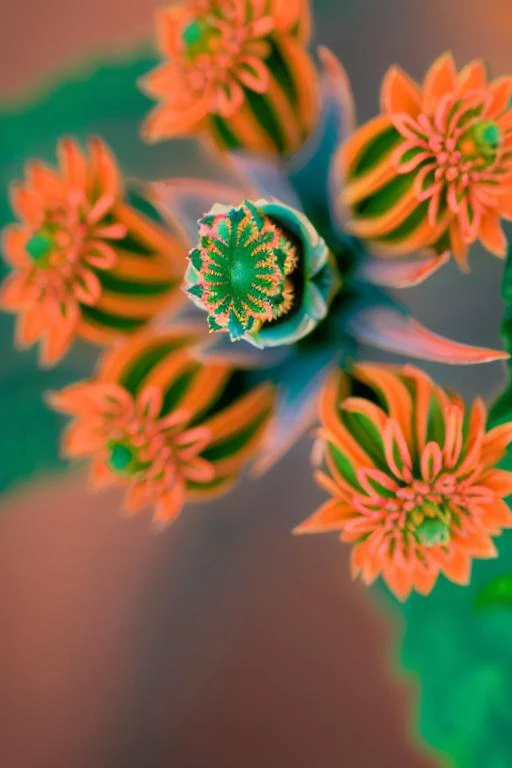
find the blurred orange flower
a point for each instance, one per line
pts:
(152, 420)
(221, 55)
(435, 169)
(413, 479)
(84, 262)
(66, 234)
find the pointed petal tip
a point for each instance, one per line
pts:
(53, 399)
(403, 273)
(391, 329)
(158, 527)
(300, 530)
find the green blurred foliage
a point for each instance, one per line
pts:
(458, 641)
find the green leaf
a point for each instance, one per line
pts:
(501, 411)
(497, 592)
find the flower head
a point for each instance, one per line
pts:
(261, 272)
(435, 169)
(72, 240)
(150, 421)
(237, 68)
(243, 263)
(413, 478)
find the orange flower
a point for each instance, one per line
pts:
(73, 235)
(412, 477)
(238, 69)
(152, 421)
(435, 169)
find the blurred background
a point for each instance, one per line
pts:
(225, 642)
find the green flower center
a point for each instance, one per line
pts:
(432, 532)
(198, 37)
(192, 33)
(242, 274)
(241, 270)
(482, 142)
(40, 246)
(123, 459)
(487, 136)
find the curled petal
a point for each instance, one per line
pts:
(396, 449)
(431, 461)
(150, 402)
(253, 73)
(101, 255)
(87, 287)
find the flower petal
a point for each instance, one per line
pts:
(441, 79)
(492, 236)
(394, 331)
(168, 507)
(104, 172)
(14, 246)
(404, 273)
(473, 76)
(399, 93)
(330, 516)
(72, 163)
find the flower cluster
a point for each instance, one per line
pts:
(286, 268)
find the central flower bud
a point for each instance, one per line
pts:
(242, 265)
(261, 272)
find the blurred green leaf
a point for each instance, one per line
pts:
(501, 411)
(497, 592)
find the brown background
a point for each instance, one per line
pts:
(225, 643)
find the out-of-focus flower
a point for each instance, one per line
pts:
(262, 273)
(237, 69)
(435, 168)
(84, 262)
(413, 478)
(165, 425)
